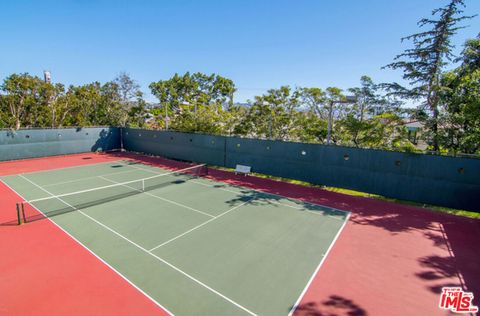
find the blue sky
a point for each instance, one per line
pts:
(258, 44)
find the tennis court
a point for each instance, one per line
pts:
(191, 244)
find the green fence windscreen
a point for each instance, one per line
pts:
(439, 180)
(31, 143)
(190, 147)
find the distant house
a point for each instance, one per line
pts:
(151, 105)
(242, 104)
(415, 129)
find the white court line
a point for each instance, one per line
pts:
(111, 185)
(146, 251)
(86, 178)
(94, 254)
(292, 310)
(267, 193)
(320, 212)
(62, 168)
(121, 162)
(144, 169)
(273, 194)
(198, 226)
(159, 197)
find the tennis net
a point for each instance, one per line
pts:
(35, 209)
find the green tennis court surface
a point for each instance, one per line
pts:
(193, 245)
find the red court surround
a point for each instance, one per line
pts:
(45, 272)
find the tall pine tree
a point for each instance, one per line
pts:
(423, 64)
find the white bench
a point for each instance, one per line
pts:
(243, 169)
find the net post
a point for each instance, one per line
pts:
(143, 185)
(23, 213)
(19, 219)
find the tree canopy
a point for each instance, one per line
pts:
(423, 64)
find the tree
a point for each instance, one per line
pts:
(461, 99)
(94, 104)
(206, 119)
(423, 64)
(369, 103)
(337, 110)
(81, 101)
(233, 117)
(131, 100)
(50, 94)
(138, 113)
(128, 89)
(308, 127)
(5, 119)
(28, 101)
(191, 93)
(271, 115)
(22, 95)
(386, 131)
(193, 89)
(111, 109)
(315, 100)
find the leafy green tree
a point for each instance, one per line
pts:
(256, 121)
(461, 98)
(369, 102)
(92, 104)
(233, 118)
(138, 113)
(110, 109)
(423, 64)
(271, 115)
(22, 98)
(28, 101)
(308, 128)
(383, 131)
(5, 121)
(83, 101)
(193, 92)
(206, 119)
(132, 104)
(337, 109)
(158, 120)
(62, 108)
(388, 132)
(50, 95)
(314, 99)
(128, 89)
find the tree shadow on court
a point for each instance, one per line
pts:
(436, 267)
(334, 305)
(265, 199)
(454, 235)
